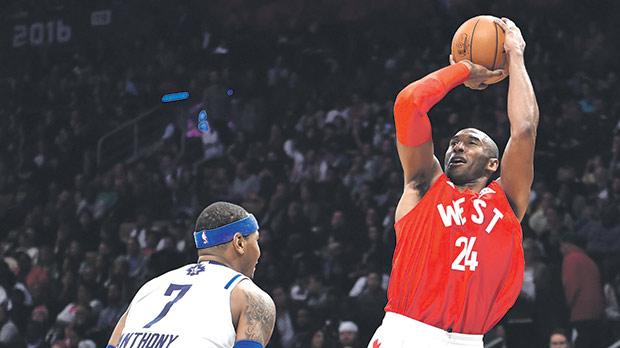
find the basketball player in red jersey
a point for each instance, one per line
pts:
(458, 263)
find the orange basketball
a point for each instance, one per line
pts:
(481, 41)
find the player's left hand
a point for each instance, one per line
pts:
(514, 44)
(478, 74)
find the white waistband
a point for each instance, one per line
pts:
(429, 330)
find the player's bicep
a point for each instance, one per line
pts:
(419, 162)
(257, 316)
(517, 170)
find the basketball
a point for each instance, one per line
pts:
(481, 41)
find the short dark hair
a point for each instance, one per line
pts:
(559, 331)
(562, 332)
(219, 214)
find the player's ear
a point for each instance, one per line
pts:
(493, 165)
(238, 243)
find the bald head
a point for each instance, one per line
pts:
(490, 146)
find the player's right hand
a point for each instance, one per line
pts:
(514, 44)
(478, 74)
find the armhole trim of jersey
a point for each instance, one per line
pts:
(441, 179)
(232, 280)
(497, 187)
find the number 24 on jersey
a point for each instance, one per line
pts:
(467, 257)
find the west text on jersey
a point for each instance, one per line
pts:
(454, 214)
(146, 340)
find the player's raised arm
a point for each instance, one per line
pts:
(517, 164)
(413, 128)
(254, 313)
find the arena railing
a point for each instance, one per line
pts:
(136, 138)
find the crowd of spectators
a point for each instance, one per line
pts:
(299, 96)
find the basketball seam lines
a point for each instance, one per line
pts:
(471, 42)
(496, 46)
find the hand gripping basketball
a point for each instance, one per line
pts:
(479, 74)
(514, 45)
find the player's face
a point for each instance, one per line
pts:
(558, 341)
(252, 254)
(467, 157)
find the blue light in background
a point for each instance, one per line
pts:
(202, 116)
(172, 97)
(203, 125)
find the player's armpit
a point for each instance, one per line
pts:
(417, 181)
(118, 330)
(257, 313)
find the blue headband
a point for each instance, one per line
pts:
(224, 234)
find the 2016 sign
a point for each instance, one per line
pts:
(40, 33)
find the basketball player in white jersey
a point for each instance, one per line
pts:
(211, 303)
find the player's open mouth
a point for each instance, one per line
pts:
(457, 161)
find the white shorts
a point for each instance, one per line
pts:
(401, 331)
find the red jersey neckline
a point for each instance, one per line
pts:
(443, 179)
(467, 190)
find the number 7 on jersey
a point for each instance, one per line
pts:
(182, 289)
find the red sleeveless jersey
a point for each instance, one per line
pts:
(458, 262)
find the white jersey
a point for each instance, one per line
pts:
(187, 307)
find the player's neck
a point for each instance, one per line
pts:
(475, 186)
(215, 259)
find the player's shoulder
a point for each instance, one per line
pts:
(253, 303)
(164, 279)
(248, 286)
(180, 272)
(250, 294)
(496, 191)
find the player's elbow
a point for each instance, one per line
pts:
(405, 111)
(524, 130)
(418, 97)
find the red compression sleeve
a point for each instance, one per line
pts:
(413, 127)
